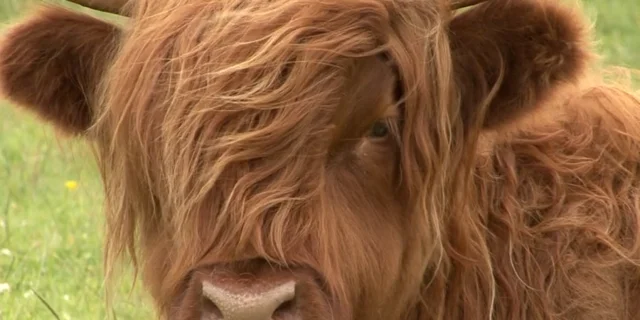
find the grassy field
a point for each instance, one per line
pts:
(50, 222)
(50, 200)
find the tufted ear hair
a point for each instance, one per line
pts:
(526, 49)
(52, 64)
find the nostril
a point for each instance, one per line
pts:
(210, 311)
(277, 302)
(285, 309)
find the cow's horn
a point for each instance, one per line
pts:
(115, 6)
(459, 4)
(111, 6)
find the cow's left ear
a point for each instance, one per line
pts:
(528, 48)
(52, 63)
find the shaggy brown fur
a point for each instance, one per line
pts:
(244, 136)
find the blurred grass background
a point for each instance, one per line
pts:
(51, 198)
(51, 222)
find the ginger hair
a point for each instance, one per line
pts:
(240, 130)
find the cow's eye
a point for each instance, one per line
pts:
(380, 129)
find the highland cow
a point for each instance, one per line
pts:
(349, 159)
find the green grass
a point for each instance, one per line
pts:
(50, 235)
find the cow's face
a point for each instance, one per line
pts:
(305, 219)
(289, 159)
(270, 138)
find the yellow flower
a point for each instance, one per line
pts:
(71, 184)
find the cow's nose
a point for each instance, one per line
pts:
(275, 302)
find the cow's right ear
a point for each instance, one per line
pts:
(527, 50)
(52, 64)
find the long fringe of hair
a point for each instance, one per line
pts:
(564, 192)
(225, 65)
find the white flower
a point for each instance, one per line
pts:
(4, 287)
(5, 252)
(65, 297)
